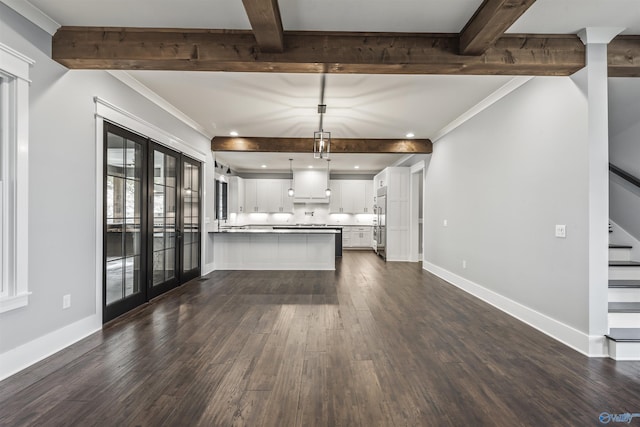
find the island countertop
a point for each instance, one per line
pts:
(276, 231)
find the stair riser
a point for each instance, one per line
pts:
(624, 320)
(619, 254)
(624, 350)
(624, 295)
(624, 273)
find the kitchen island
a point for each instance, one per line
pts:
(274, 249)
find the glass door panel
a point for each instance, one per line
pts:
(190, 219)
(124, 213)
(164, 215)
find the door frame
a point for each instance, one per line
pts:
(107, 112)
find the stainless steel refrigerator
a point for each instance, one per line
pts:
(381, 223)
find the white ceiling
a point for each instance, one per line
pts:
(325, 15)
(285, 105)
(358, 106)
(545, 16)
(570, 16)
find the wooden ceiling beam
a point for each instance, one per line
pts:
(312, 52)
(264, 16)
(489, 23)
(624, 56)
(305, 145)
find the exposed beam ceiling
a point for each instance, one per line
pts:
(305, 145)
(311, 52)
(266, 23)
(624, 56)
(489, 23)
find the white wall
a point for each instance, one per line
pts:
(62, 178)
(502, 180)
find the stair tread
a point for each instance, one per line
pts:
(624, 334)
(620, 247)
(624, 283)
(624, 307)
(624, 264)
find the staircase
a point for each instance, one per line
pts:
(624, 304)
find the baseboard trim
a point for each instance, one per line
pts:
(19, 358)
(208, 268)
(591, 346)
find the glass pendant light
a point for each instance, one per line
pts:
(327, 192)
(290, 192)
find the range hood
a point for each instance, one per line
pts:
(310, 186)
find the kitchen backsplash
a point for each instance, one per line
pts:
(302, 214)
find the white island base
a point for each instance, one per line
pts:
(274, 250)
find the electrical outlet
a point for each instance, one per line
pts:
(66, 301)
(561, 230)
(464, 263)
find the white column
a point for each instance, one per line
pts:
(596, 40)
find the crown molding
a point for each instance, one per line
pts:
(33, 14)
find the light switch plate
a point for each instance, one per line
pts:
(561, 230)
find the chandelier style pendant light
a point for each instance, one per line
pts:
(321, 139)
(290, 192)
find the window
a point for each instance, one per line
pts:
(221, 200)
(14, 161)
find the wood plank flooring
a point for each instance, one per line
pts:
(371, 344)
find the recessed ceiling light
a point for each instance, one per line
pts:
(310, 167)
(263, 166)
(233, 133)
(411, 135)
(356, 167)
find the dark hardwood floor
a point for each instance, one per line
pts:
(370, 344)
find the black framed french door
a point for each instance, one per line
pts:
(164, 216)
(152, 199)
(191, 201)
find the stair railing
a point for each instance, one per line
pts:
(624, 175)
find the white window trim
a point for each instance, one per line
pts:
(14, 139)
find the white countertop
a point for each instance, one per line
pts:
(277, 231)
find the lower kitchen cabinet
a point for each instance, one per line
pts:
(357, 237)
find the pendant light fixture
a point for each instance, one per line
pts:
(327, 192)
(291, 192)
(321, 139)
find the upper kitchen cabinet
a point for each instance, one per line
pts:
(267, 195)
(310, 186)
(236, 195)
(351, 196)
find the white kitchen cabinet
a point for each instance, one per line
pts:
(287, 201)
(236, 195)
(335, 201)
(310, 186)
(357, 237)
(267, 195)
(250, 195)
(351, 196)
(369, 197)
